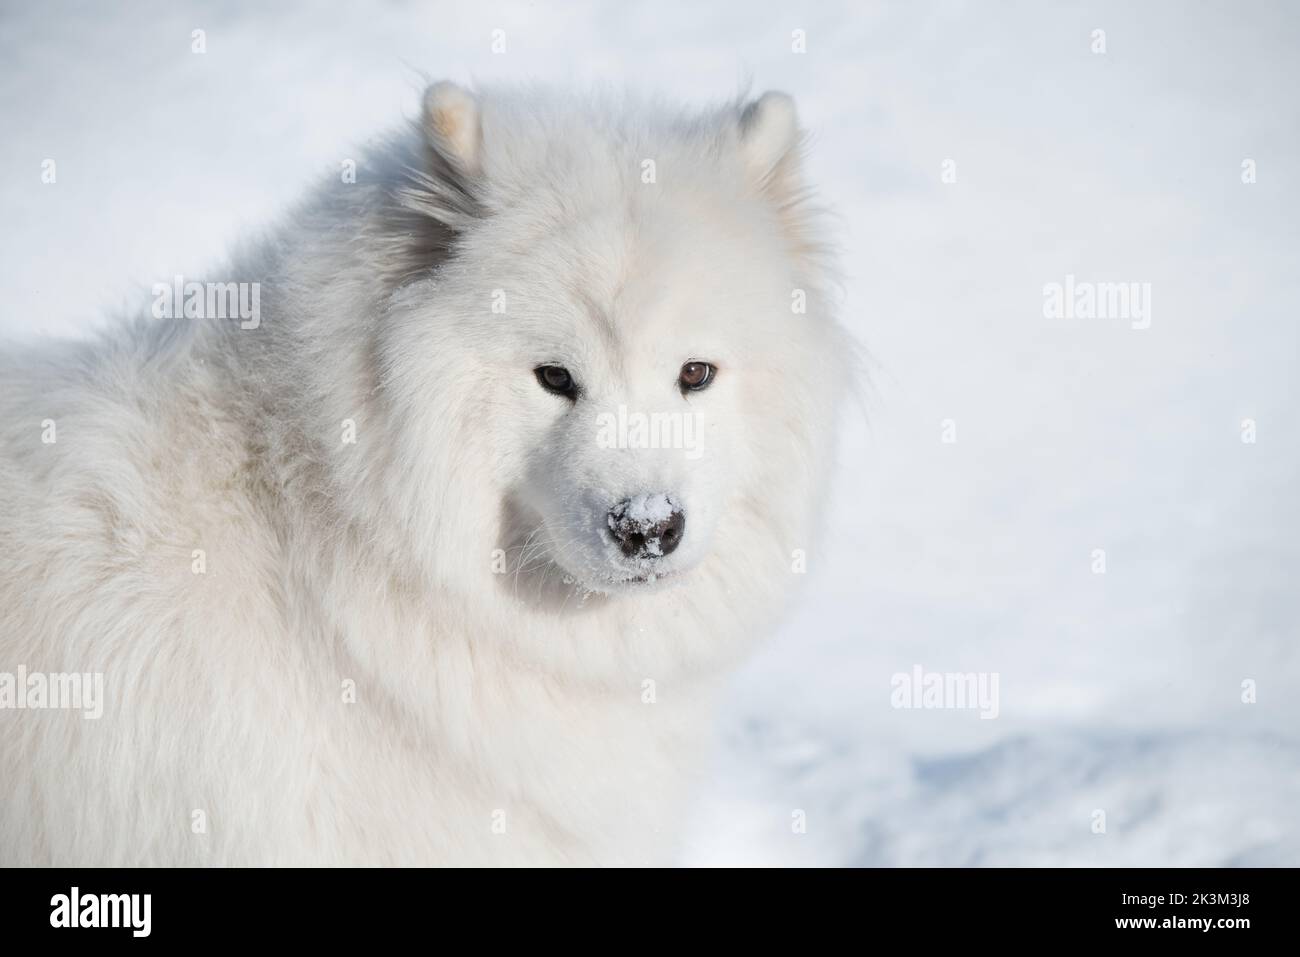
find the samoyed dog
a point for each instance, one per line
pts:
(437, 557)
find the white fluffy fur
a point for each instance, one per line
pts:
(482, 698)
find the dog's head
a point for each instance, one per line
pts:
(624, 346)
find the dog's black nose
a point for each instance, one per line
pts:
(647, 526)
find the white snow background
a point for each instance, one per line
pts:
(1119, 691)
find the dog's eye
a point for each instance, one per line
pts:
(696, 376)
(556, 379)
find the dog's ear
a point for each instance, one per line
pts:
(771, 146)
(769, 143)
(435, 191)
(451, 123)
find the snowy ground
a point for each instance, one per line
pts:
(1119, 692)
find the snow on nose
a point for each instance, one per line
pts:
(647, 526)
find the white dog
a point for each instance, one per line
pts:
(436, 558)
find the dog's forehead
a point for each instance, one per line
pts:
(626, 274)
(638, 257)
(661, 303)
